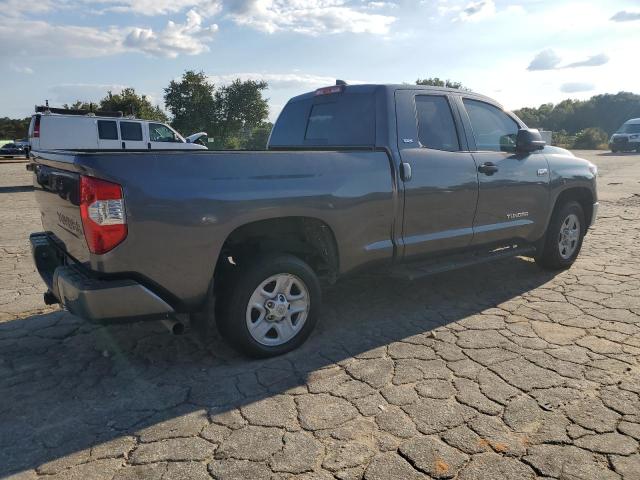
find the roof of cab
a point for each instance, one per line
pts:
(633, 121)
(371, 88)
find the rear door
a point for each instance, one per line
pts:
(132, 135)
(108, 135)
(514, 196)
(440, 198)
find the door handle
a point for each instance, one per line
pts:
(405, 171)
(488, 168)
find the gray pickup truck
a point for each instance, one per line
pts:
(403, 179)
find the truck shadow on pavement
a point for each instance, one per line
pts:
(67, 386)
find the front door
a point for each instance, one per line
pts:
(440, 198)
(161, 137)
(514, 195)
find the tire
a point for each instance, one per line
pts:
(613, 150)
(274, 286)
(556, 255)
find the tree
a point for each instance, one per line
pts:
(228, 113)
(591, 138)
(191, 103)
(80, 105)
(13, 128)
(258, 137)
(607, 112)
(239, 105)
(129, 102)
(437, 82)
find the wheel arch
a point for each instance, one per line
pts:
(583, 195)
(308, 238)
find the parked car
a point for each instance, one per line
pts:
(66, 129)
(404, 179)
(627, 138)
(11, 150)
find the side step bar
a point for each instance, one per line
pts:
(413, 271)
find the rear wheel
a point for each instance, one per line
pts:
(271, 306)
(564, 236)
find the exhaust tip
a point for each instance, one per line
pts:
(175, 327)
(178, 329)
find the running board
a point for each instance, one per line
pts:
(413, 271)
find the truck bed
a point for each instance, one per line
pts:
(181, 206)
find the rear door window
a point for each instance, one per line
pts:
(131, 131)
(436, 127)
(107, 130)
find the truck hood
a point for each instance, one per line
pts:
(194, 137)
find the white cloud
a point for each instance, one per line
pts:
(15, 8)
(549, 60)
(32, 38)
(545, 60)
(205, 8)
(90, 92)
(190, 38)
(478, 10)
(592, 61)
(625, 16)
(278, 80)
(21, 69)
(311, 17)
(36, 38)
(575, 87)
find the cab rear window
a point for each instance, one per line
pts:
(340, 120)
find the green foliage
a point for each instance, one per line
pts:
(607, 112)
(591, 138)
(80, 105)
(129, 102)
(437, 82)
(191, 103)
(239, 105)
(14, 129)
(228, 113)
(258, 137)
(562, 139)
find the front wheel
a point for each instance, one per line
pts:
(272, 306)
(564, 236)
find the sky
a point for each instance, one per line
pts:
(521, 53)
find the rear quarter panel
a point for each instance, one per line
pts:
(181, 206)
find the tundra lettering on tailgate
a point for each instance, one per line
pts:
(69, 224)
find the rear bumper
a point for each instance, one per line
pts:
(91, 298)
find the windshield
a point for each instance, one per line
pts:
(630, 128)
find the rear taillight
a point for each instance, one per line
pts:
(36, 127)
(103, 215)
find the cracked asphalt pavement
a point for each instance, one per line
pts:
(500, 371)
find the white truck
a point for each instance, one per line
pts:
(66, 129)
(627, 137)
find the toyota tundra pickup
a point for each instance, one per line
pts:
(404, 179)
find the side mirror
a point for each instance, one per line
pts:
(529, 140)
(188, 140)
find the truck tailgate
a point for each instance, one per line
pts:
(57, 192)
